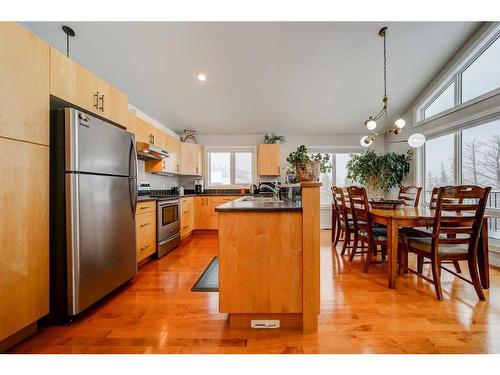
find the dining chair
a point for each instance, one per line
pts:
(336, 224)
(416, 232)
(411, 195)
(345, 218)
(364, 231)
(459, 212)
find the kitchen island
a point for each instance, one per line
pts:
(269, 261)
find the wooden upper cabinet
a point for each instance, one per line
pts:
(190, 159)
(112, 103)
(24, 88)
(74, 84)
(132, 122)
(173, 146)
(268, 160)
(24, 234)
(143, 131)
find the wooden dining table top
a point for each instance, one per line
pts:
(420, 212)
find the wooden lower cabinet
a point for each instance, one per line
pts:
(24, 235)
(145, 228)
(187, 216)
(205, 215)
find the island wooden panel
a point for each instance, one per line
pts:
(260, 272)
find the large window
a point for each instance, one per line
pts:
(439, 163)
(476, 150)
(483, 74)
(336, 177)
(443, 101)
(230, 167)
(477, 75)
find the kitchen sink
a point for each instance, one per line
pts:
(261, 199)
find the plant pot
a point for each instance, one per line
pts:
(308, 172)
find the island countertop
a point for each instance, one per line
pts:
(241, 205)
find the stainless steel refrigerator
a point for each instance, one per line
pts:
(93, 202)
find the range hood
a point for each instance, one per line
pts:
(147, 151)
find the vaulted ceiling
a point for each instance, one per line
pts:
(286, 77)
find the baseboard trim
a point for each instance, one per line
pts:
(17, 337)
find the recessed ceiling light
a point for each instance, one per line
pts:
(202, 77)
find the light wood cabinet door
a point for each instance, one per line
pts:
(24, 88)
(112, 103)
(72, 83)
(131, 122)
(268, 160)
(142, 130)
(190, 159)
(173, 146)
(202, 208)
(24, 234)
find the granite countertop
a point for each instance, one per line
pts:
(240, 205)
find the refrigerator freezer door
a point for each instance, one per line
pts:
(95, 146)
(101, 237)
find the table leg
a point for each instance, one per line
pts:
(392, 250)
(482, 255)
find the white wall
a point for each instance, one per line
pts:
(333, 142)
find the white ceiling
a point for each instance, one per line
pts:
(291, 78)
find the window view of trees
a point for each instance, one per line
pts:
(337, 176)
(481, 155)
(439, 163)
(230, 168)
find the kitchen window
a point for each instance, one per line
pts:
(230, 167)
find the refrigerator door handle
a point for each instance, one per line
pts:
(133, 175)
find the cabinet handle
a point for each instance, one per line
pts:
(144, 225)
(185, 227)
(196, 170)
(144, 248)
(164, 167)
(96, 102)
(185, 212)
(102, 103)
(177, 167)
(144, 208)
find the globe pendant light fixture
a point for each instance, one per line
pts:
(371, 122)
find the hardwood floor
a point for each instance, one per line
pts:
(157, 313)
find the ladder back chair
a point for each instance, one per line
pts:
(343, 212)
(336, 222)
(459, 212)
(411, 195)
(364, 231)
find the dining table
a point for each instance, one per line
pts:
(412, 217)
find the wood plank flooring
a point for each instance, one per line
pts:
(157, 313)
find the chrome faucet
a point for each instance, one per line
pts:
(276, 192)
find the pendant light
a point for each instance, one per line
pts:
(417, 140)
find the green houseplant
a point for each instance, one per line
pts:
(308, 166)
(271, 138)
(379, 172)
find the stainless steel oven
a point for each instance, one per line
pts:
(168, 226)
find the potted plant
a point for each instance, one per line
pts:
(309, 166)
(271, 138)
(379, 173)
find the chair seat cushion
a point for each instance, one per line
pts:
(379, 234)
(424, 244)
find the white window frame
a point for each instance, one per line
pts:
(457, 154)
(333, 150)
(454, 74)
(232, 150)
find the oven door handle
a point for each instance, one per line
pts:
(168, 239)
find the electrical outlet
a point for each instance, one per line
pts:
(264, 323)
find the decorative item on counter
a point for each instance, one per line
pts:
(290, 176)
(188, 136)
(242, 191)
(379, 173)
(271, 138)
(309, 166)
